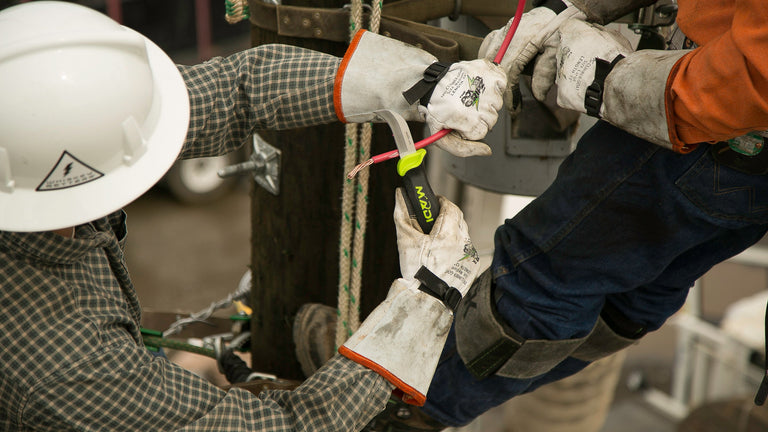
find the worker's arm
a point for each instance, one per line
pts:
(675, 99)
(720, 89)
(404, 335)
(340, 396)
(268, 87)
(123, 388)
(537, 27)
(74, 363)
(73, 357)
(284, 87)
(597, 73)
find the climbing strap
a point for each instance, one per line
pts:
(401, 20)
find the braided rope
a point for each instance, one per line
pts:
(236, 11)
(350, 272)
(361, 219)
(376, 16)
(345, 297)
(355, 18)
(342, 322)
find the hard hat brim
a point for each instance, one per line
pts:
(45, 210)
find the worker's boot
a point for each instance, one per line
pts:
(401, 417)
(314, 333)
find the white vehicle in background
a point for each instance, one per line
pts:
(196, 181)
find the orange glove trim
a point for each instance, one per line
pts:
(340, 74)
(411, 396)
(677, 145)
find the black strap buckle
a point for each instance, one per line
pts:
(593, 99)
(422, 90)
(436, 287)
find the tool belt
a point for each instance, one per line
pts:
(333, 24)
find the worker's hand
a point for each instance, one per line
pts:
(379, 73)
(536, 27)
(575, 57)
(447, 251)
(403, 337)
(597, 72)
(467, 99)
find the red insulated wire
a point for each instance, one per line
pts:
(436, 136)
(510, 32)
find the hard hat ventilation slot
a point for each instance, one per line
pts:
(134, 144)
(7, 184)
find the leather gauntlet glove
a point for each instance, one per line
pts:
(376, 72)
(597, 72)
(403, 337)
(536, 27)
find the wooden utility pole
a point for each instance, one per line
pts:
(295, 236)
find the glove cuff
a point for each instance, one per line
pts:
(373, 74)
(635, 95)
(402, 339)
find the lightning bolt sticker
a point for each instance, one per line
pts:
(68, 172)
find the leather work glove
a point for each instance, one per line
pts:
(536, 27)
(598, 73)
(403, 337)
(376, 71)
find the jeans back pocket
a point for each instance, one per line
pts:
(726, 193)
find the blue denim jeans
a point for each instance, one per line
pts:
(625, 222)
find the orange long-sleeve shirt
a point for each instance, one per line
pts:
(720, 90)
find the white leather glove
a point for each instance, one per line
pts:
(577, 52)
(599, 74)
(377, 70)
(403, 337)
(536, 27)
(447, 251)
(467, 100)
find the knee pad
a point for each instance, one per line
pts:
(613, 332)
(487, 345)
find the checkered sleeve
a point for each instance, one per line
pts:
(340, 396)
(72, 356)
(267, 87)
(125, 389)
(158, 395)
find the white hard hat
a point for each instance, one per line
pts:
(92, 114)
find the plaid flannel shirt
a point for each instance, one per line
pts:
(70, 348)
